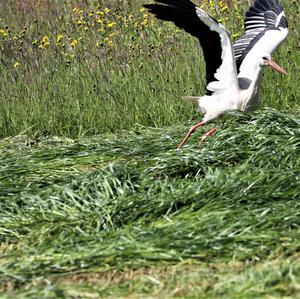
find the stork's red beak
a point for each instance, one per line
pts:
(276, 67)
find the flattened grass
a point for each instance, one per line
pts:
(113, 204)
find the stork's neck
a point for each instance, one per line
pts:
(249, 82)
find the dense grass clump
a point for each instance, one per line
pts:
(119, 203)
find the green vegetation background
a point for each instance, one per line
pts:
(95, 200)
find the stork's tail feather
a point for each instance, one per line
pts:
(195, 100)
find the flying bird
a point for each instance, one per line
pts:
(233, 71)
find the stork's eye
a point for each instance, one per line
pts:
(265, 58)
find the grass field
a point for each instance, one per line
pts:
(95, 200)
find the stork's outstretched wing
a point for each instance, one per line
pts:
(213, 37)
(266, 27)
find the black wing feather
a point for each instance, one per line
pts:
(183, 14)
(261, 17)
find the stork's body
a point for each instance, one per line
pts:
(233, 72)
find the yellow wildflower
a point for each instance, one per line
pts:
(3, 32)
(78, 11)
(108, 41)
(45, 42)
(17, 65)
(45, 39)
(224, 8)
(81, 22)
(74, 43)
(59, 38)
(111, 24)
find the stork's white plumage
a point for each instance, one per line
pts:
(233, 72)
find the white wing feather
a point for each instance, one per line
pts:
(226, 74)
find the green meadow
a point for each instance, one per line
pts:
(95, 199)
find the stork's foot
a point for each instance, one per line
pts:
(207, 134)
(190, 132)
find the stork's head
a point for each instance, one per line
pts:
(266, 60)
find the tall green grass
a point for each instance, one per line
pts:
(97, 88)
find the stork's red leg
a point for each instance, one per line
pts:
(189, 133)
(207, 134)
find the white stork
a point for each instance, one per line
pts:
(233, 72)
